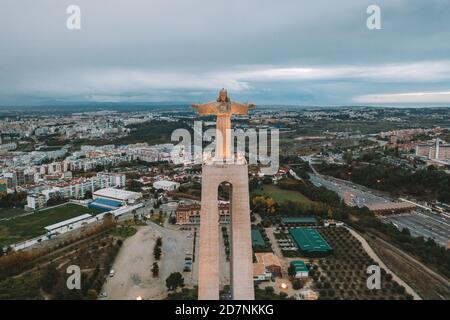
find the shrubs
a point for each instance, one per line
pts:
(269, 289)
(124, 231)
(297, 284)
(155, 270)
(49, 278)
(157, 252)
(157, 249)
(269, 294)
(226, 242)
(174, 281)
(95, 257)
(17, 261)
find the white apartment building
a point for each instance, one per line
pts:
(77, 188)
(36, 201)
(107, 179)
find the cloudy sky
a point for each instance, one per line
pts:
(284, 52)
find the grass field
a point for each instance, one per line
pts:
(30, 226)
(281, 195)
(11, 212)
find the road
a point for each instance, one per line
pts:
(424, 224)
(352, 194)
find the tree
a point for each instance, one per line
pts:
(55, 200)
(155, 269)
(270, 205)
(49, 278)
(135, 186)
(297, 284)
(269, 289)
(174, 281)
(406, 231)
(348, 157)
(291, 271)
(13, 200)
(157, 252)
(267, 180)
(92, 294)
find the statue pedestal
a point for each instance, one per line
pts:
(213, 174)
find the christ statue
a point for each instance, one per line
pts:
(223, 108)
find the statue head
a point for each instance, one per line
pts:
(223, 96)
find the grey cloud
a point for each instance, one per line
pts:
(163, 49)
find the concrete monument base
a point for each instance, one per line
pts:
(213, 175)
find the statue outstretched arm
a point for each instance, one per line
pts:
(206, 108)
(241, 108)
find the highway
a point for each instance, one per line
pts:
(424, 224)
(421, 223)
(353, 195)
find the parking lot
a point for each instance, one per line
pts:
(133, 277)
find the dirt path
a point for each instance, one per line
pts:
(377, 259)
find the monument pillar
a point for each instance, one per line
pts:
(215, 171)
(241, 258)
(208, 272)
(241, 240)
